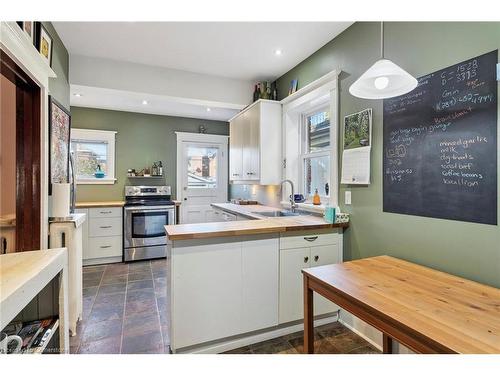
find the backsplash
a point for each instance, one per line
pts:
(268, 195)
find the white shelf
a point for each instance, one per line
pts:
(132, 177)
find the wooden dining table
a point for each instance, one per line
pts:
(426, 310)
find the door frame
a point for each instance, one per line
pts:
(202, 139)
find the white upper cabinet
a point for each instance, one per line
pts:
(255, 144)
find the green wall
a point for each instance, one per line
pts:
(141, 140)
(465, 249)
(59, 87)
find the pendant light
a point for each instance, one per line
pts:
(384, 79)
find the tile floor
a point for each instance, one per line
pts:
(125, 311)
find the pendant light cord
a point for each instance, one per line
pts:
(382, 39)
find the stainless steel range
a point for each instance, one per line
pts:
(147, 209)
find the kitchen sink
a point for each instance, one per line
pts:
(277, 213)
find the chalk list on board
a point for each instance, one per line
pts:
(440, 144)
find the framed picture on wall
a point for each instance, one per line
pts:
(59, 141)
(44, 43)
(29, 28)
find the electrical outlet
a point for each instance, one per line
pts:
(347, 199)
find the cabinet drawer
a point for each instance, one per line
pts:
(308, 239)
(99, 212)
(102, 227)
(104, 247)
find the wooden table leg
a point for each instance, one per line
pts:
(308, 318)
(387, 344)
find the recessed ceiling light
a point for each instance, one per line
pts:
(278, 52)
(145, 102)
(208, 109)
(77, 95)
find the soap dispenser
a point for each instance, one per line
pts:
(316, 198)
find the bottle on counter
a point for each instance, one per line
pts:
(268, 90)
(160, 169)
(316, 198)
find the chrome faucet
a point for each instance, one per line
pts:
(293, 205)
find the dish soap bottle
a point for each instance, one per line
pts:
(316, 199)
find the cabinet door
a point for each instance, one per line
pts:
(85, 233)
(320, 256)
(236, 149)
(251, 149)
(260, 282)
(292, 261)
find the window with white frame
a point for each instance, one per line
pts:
(316, 151)
(94, 156)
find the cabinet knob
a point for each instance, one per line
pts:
(316, 258)
(306, 259)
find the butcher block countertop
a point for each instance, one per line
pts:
(245, 227)
(100, 204)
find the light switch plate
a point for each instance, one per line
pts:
(347, 199)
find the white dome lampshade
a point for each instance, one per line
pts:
(382, 80)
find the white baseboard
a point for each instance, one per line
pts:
(97, 261)
(361, 334)
(239, 342)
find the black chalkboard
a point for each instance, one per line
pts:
(440, 145)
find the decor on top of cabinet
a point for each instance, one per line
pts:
(59, 138)
(293, 86)
(29, 28)
(265, 90)
(44, 43)
(202, 129)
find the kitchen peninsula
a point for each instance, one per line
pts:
(238, 282)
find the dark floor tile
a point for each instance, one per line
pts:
(159, 273)
(93, 269)
(88, 302)
(113, 279)
(158, 264)
(148, 342)
(110, 299)
(90, 292)
(136, 267)
(367, 349)
(160, 285)
(332, 329)
(91, 283)
(139, 306)
(164, 316)
(116, 269)
(102, 330)
(140, 276)
(110, 345)
(321, 345)
(73, 349)
(141, 284)
(138, 324)
(92, 275)
(242, 350)
(101, 313)
(112, 288)
(166, 337)
(347, 342)
(140, 294)
(271, 346)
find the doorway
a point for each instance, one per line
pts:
(20, 159)
(202, 175)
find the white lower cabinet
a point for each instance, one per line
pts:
(322, 249)
(102, 235)
(221, 289)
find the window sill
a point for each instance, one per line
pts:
(96, 181)
(320, 209)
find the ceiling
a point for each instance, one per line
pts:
(238, 50)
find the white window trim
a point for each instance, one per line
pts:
(312, 154)
(108, 136)
(320, 93)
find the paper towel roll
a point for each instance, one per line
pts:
(60, 200)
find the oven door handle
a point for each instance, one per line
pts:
(148, 209)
